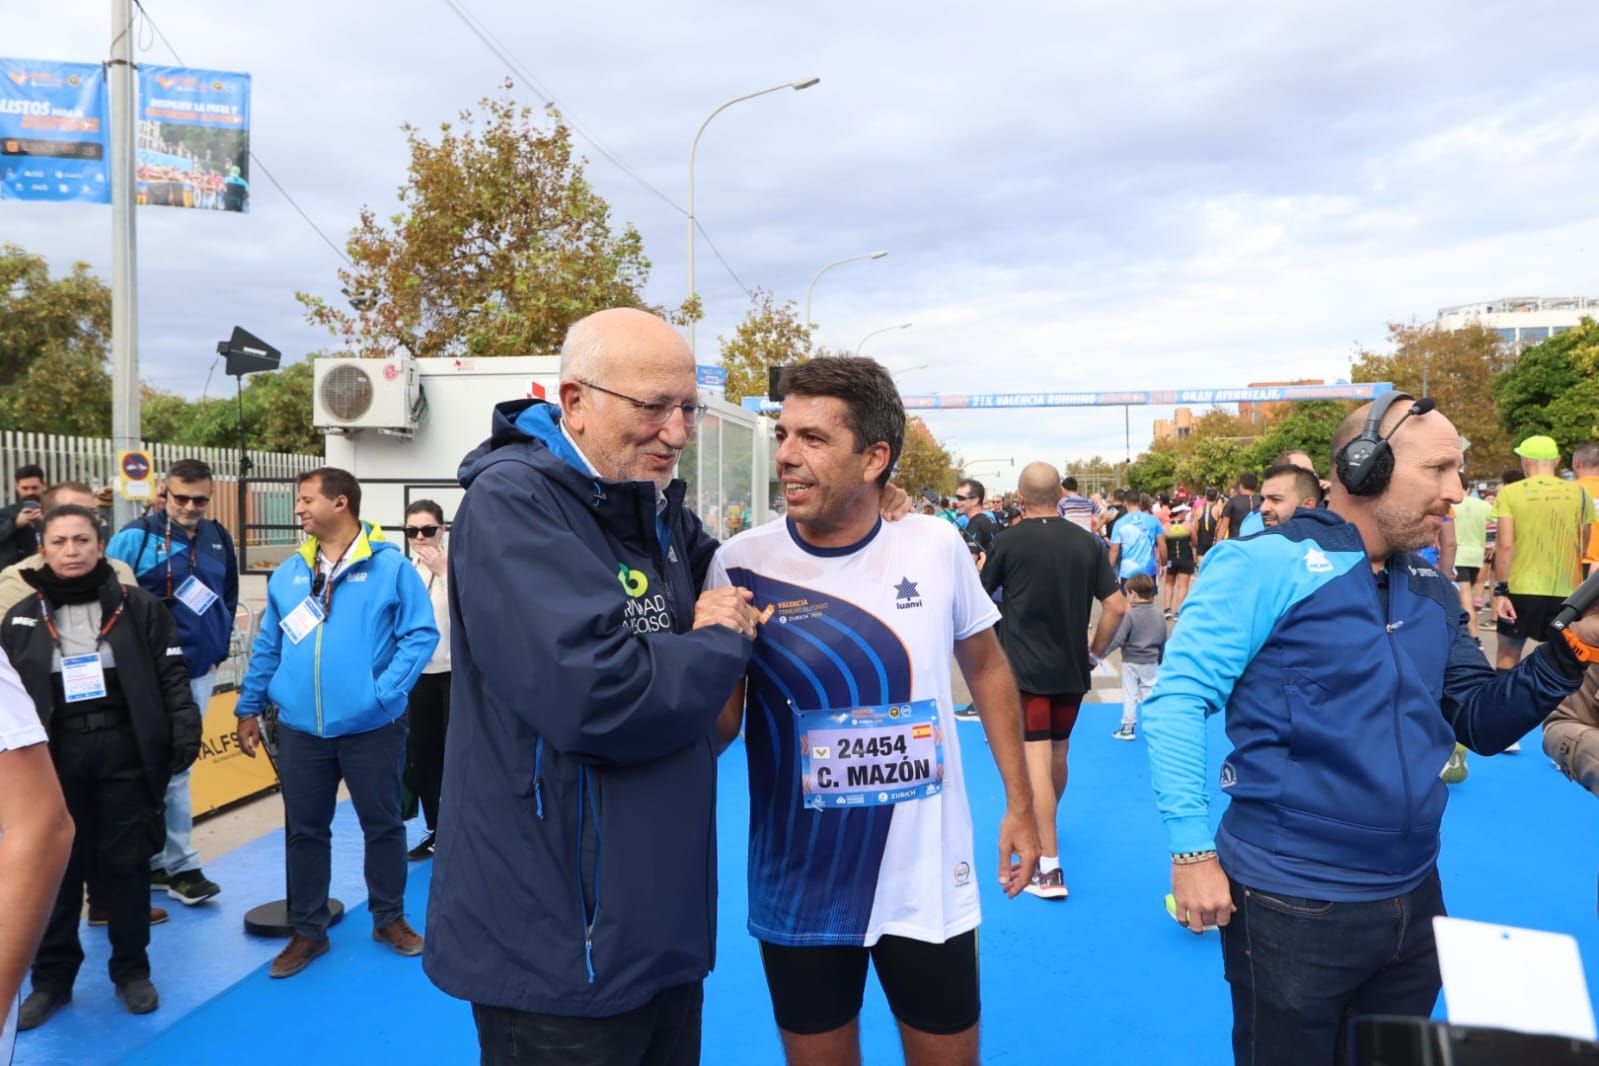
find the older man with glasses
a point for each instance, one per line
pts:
(188, 561)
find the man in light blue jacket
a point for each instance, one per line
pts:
(347, 629)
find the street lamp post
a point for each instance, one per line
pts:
(875, 332)
(811, 289)
(802, 83)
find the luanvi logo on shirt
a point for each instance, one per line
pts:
(906, 594)
(634, 581)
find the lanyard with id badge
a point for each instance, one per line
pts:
(82, 676)
(870, 756)
(192, 592)
(313, 610)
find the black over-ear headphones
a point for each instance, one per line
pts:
(1366, 464)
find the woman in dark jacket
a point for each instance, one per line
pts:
(102, 663)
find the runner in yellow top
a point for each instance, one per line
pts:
(1471, 538)
(1585, 464)
(1543, 525)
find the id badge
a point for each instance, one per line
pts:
(870, 756)
(195, 595)
(299, 623)
(82, 677)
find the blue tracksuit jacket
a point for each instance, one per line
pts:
(1345, 692)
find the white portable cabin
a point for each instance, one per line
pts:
(402, 427)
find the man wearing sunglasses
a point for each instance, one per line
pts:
(188, 561)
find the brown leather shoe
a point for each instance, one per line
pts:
(399, 935)
(102, 916)
(297, 956)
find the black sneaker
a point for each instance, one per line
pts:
(159, 881)
(192, 886)
(424, 849)
(139, 995)
(40, 1004)
(967, 711)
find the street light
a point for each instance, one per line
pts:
(875, 332)
(802, 83)
(811, 289)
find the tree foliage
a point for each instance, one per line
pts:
(1458, 368)
(499, 245)
(925, 464)
(1155, 470)
(1307, 427)
(277, 415)
(769, 335)
(1553, 389)
(67, 392)
(50, 320)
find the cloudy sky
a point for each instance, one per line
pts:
(1073, 195)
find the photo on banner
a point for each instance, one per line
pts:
(194, 139)
(53, 132)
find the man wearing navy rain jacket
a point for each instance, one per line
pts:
(1347, 674)
(574, 888)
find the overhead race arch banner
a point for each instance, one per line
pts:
(194, 138)
(52, 132)
(959, 401)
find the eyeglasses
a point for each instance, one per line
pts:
(657, 412)
(963, 499)
(197, 501)
(412, 532)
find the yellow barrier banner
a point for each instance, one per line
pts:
(223, 774)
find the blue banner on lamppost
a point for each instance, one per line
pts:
(53, 132)
(194, 138)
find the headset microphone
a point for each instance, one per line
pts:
(1423, 405)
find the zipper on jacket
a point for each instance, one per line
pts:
(1390, 627)
(316, 676)
(588, 918)
(538, 777)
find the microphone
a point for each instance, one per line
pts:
(1577, 604)
(1423, 405)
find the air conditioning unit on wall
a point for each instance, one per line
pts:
(380, 394)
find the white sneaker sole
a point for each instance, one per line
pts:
(191, 901)
(1124, 736)
(1047, 891)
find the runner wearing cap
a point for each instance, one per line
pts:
(1543, 525)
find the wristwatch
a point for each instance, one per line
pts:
(1501, 588)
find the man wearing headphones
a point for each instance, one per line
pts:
(1347, 675)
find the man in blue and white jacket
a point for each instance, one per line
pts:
(347, 629)
(188, 560)
(1347, 675)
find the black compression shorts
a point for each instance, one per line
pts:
(930, 987)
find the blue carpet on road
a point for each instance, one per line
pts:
(1104, 977)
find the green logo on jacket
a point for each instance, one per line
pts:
(634, 581)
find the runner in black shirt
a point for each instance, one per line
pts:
(1050, 571)
(1203, 523)
(979, 528)
(1239, 507)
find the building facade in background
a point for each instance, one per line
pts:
(1521, 320)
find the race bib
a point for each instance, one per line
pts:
(870, 756)
(82, 678)
(194, 595)
(298, 623)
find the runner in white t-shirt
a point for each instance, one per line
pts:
(35, 840)
(860, 837)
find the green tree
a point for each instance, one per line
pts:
(499, 245)
(769, 335)
(45, 318)
(277, 415)
(1096, 474)
(1155, 470)
(1308, 428)
(924, 463)
(1553, 389)
(68, 392)
(1214, 461)
(1458, 368)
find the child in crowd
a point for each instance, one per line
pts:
(1142, 640)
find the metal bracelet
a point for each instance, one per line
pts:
(1188, 858)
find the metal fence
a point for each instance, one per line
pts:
(92, 460)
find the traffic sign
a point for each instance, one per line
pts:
(135, 475)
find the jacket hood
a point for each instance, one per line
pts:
(367, 542)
